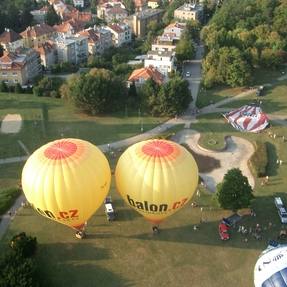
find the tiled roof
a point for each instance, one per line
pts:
(37, 30)
(45, 48)
(91, 34)
(8, 61)
(69, 25)
(116, 28)
(116, 10)
(9, 36)
(139, 3)
(176, 25)
(147, 73)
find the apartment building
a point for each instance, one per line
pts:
(37, 35)
(112, 11)
(48, 54)
(20, 67)
(10, 40)
(189, 12)
(140, 20)
(121, 34)
(72, 49)
(164, 61)
(39, 15)
(69, 27)
(175, 28)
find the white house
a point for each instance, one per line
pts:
(164, 61)
(121, 34)
(176, 29)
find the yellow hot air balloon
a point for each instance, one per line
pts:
(67, 180)
(156, 178)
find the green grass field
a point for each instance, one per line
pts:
(125, 253)
(46, 119)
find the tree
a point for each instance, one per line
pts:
(52, 18)
(3, 87)
(174, 97)
(97, 92)
(185, 48)
(23, 244)
(130, 6)
(234, 192)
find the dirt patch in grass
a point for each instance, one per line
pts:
(205, 163)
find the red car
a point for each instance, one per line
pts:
(223, 231)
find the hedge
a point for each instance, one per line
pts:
(259, 159)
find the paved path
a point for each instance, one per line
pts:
(236, 155)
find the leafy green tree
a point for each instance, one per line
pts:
(130, 6)
(3, 87)
(185, 48)
(23, 244)
(52, 18)
(234, 192)
(171, 99)
(98, 91)
(148, 93)
(17, 271)
(18, 89)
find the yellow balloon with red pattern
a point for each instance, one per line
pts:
(156, 178)
(67, 180)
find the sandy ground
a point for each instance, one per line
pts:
(236, 155)
(11, 124)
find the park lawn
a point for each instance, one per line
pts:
(46, 119)
(274, 100)
(7, 198)
(125, 253)
(211, 96)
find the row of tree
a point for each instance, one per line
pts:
(252, 32)
(101, 91)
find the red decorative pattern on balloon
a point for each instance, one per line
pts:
(60, 150)
(158, 148)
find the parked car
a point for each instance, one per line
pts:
(278, 202)
(109, 209)
(281, 209)
(187, 74)
(223, 231)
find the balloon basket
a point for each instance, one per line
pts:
(80, 234)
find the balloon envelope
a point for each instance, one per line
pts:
(271, 268)
(66, 180)
(156, 178)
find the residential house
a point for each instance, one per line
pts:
(94, 45)
(20, 67)
(84, 17)
(153, 4)
(140, 20)
(39, 15)
(165, 42)
(164, 61)
(189, 12)
(112, 11)
(99, 39)
(140, 76)
(69, 27)
(10, 40)
(79, 3)
(121, 34)
(176, 29)
(48, 54)
(36, 35)
(72, 49)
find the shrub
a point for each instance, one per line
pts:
(23, 244)
(259, 159)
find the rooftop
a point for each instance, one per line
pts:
(148, 13)
(147, 73)
(160, 53)
(37, 30)
(9, 36)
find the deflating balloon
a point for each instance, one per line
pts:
(66, 180)
(156, 178)
(271, 268)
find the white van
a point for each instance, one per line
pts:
(281, 209)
